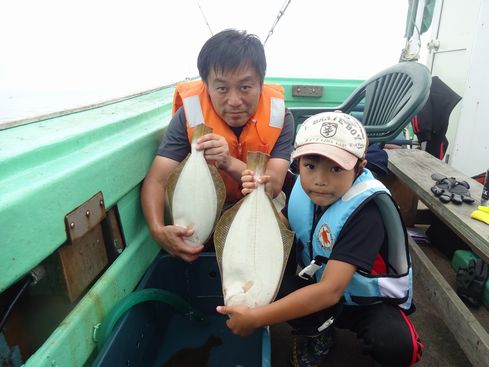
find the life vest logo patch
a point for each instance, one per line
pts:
(325, 237)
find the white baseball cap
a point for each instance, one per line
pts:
(334, 135)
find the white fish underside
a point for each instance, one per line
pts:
(253, 253)
(194, 202)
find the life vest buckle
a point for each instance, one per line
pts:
(326, 324)
(308, 272)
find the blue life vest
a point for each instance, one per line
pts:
(393, 287)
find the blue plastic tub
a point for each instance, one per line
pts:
(152, 333)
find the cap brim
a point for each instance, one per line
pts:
(344, 159)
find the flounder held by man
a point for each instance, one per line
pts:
(196, 193)
(252, 245)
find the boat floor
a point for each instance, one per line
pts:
(440, 346)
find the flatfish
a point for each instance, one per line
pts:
(252, 245)
(194, 357)
(196, 193)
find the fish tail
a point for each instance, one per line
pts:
(200, 130)
(257, 162)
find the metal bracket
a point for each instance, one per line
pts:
(84, 218)
(307, 90)
(84, 256)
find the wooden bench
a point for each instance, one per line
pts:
(410, 180)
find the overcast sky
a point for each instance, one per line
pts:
(60, 54)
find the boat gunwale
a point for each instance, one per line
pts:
(4, 125)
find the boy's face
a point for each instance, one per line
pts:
(323, 180)
(235, 94)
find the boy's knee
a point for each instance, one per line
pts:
(390, 347)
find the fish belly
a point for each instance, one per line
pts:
(194, 201)
(253, 254)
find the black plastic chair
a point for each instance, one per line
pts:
(385, 103)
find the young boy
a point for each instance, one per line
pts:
(348, 230)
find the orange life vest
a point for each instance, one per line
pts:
(259, 134)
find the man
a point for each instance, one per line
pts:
(245, 114)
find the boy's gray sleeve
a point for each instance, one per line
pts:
(285, 142)
(175, 144)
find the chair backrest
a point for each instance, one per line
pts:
(385, 103)
(390, 99)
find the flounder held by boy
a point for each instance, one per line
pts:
(252, 245)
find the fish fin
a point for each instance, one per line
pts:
(287, 240)
(220, 190)
(222, 228)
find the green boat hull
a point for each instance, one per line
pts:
(50, 167)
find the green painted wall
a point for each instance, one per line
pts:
(335, 91)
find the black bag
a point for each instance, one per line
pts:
(444, 239)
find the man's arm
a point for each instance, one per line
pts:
(280, 156)
(153, 204)
(276, 170)
(273, 179)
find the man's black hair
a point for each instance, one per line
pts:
(230, 49)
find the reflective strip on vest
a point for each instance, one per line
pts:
(277, 112)
(193, 111)
(393, 287)
(194, 115)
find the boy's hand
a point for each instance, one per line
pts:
(249, 182)
(241, 321)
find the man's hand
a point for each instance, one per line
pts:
(170, 238)
(215, 148)
(249, 182)
(241, 321)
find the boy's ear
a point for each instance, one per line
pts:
(361, 165)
